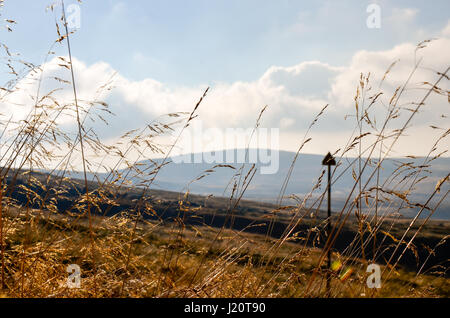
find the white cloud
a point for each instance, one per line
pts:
(88, 80)
(294, 94)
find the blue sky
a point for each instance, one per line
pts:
(295, 56)
(202, 41)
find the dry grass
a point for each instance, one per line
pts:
(162, 267)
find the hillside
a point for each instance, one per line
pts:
(255, 217)
(178, 177)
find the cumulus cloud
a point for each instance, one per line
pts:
(294, 95)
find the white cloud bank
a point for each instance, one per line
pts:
(294, 95)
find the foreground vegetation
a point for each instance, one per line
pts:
(164, 261)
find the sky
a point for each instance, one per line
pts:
(293, 56)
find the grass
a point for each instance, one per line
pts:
(125, 247)
(162, 266)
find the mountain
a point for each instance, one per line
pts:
(181, 172)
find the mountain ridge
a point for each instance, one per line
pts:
(214, 178)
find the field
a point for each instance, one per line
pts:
(166, 258)
(196, 254)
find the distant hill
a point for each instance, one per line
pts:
(249, 216)
(177, 176)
